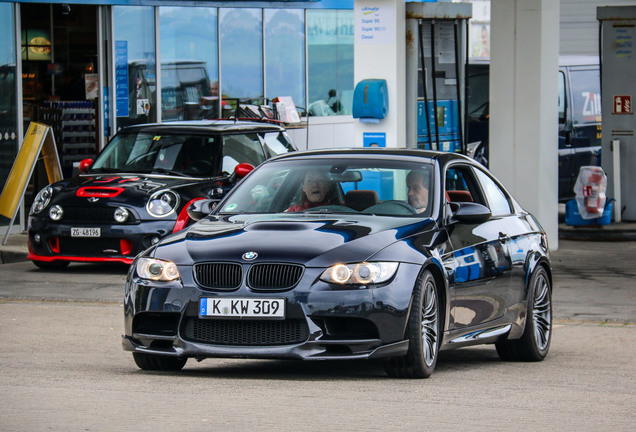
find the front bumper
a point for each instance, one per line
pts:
(50, 241)
(322, 322)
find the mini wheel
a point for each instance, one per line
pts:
(51, 265)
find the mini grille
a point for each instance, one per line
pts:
(218, 275)
(94, 247)
(265, 277)
(94, 215)
(246, 332)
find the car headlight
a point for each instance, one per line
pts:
(157, 270)
(120, 215)
(42, 199)
(162, 203)
(56, 212)
(360, 273)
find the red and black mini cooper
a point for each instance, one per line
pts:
(139, 187)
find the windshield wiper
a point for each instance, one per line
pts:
(102, 170)
(171, 172)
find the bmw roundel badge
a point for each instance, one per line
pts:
(249, 256)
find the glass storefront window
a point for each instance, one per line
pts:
(189, 63)
(330, 61)
(8, 122)
(285, 54)
(135, 79)
(241, 32)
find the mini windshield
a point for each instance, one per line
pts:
(175, 154)
(368, 186)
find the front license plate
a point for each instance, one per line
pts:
(86, 232)
(242, 307)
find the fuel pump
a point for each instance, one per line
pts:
(618, 142)
(435, 77)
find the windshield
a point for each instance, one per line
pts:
(176, 154)
(368, 186)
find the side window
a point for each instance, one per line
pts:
(586, 96)
(277, 143)
(241, 149)
(562, 103)
(461, 185)
(499, 204)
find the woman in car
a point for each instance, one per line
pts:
(314, 192)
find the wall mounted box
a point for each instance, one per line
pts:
(371, 100)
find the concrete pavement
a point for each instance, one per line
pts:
(15, 250)
(594, 281)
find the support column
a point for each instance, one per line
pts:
(523, 105)
(380, 52)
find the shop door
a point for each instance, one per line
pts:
(60, 80)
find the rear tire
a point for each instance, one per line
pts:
(153, 362)
(51, 265)
(423, 332)
(535, 342)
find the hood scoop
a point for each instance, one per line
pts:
(99, 192)
(282, 226)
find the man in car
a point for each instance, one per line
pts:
(417, 184)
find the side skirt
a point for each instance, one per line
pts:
(510, 326)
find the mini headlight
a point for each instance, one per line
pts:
(42, 199)
(121, 214)
(162, 203)
(158, 270)
(360, 273)
(56, 212)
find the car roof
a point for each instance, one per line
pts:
(442, 157)
(215, 126)
(564, 60)
(578, 60)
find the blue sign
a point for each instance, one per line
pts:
(121, 78)
(374, 139)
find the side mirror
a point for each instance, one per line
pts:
(240, 171)
(471, 213)
(84, 165)
(201, 208)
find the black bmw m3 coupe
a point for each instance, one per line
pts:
(346, 254)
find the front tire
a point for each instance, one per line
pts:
(423, 331)
(151, 362)
(535, 342)
(51, 265)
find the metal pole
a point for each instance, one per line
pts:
(459, 95)
(434, 80)
(424, 83)
(616, 159)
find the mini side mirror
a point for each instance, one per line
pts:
(240, 171)
(84, 165)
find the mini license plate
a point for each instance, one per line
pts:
(242, 307)
(86, 232)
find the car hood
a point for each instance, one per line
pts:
(115, 189)
(314, 241)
